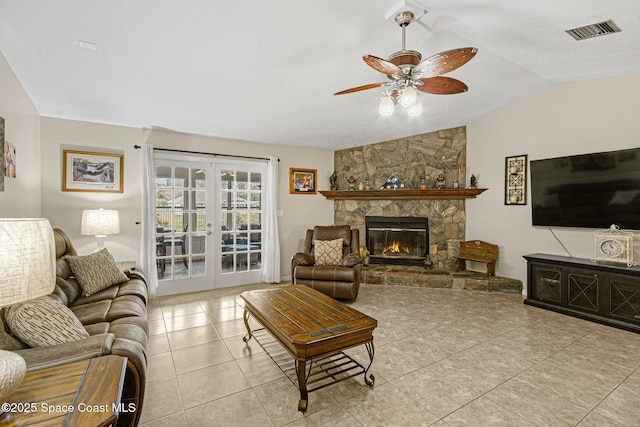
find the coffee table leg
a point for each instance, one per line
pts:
(371, 379)
(245, 317)
(302, 385)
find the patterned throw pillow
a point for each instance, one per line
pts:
(43, 322)
(95, 272)
(328, 252)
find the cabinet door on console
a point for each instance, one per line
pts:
(624, 299)
(547, 283)
(584, 291)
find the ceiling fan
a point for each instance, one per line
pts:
(407, 73)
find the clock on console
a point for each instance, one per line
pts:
(614, 245)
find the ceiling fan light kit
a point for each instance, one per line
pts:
(407, 72)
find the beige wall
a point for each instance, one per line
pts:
(64, 209)
(566, 119)
(21, 196)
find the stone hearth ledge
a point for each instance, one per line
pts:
(402, 275)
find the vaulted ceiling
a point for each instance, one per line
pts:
(266, 70)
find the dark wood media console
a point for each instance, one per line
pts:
(601, 292)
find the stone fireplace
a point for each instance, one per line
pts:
(397, 240)
(430, 154)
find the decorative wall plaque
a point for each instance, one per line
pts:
(515, 192)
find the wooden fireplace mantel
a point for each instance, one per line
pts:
(446, 193)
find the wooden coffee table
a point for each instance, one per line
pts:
(313, 328)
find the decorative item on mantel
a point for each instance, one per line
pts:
(394, 183)
(423, 182)
(440, 182)
(473, 182)
(333, 180)
(352, 183)
(367, 183)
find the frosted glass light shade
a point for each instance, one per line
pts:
(408, 97)
(386, 106)
(28, 260)
(415, 109)
(100, 222)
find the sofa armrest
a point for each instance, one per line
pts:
(85, 348)
(302, 258)
(135, 274)
(351, 260)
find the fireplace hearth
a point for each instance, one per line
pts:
(397, 240)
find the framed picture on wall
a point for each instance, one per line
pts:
(302, 181)
(515, 192)
(94, 172)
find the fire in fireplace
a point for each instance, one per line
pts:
(397, 240)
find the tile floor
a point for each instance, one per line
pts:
(442, 358)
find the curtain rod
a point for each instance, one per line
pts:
(137, 147)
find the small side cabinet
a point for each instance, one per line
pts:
(601, 292)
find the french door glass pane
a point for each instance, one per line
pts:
(180, 222)
(240, 220)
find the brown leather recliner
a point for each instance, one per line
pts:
(337, 281)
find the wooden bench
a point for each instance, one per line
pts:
(477, 250)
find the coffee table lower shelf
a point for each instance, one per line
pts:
(319, 372)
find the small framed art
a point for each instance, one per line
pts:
(515, 192)
(302, 181)
(94, 172)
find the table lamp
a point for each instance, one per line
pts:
(100, 223)
(28, 260)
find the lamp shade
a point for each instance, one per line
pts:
(27, 257)
(100, 222)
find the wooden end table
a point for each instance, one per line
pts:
(313, 328)
(84, 393)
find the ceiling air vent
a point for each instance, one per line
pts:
(594, 30)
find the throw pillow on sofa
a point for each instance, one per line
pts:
(43, 322)
(328, 252)
(95, 272)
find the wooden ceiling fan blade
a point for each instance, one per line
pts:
(363, 87)
(445, 62)
(442, 86)
(382, 65)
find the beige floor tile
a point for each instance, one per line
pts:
(175, 420)
(240, 409)
(211, 383)
(200, 356)
(387, 405)
(536, 403)
(435, 391)
(179, 323)
(594, 419)
(280, 399)
(162, 398)
(482, 412)
(334, 416)
(160, 366)
(158, 344)
(157, 327)
(259, 369)
(225, 314)
(181, 309)
(192, 336)
(470, 358)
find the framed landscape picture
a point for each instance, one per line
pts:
(89, 171)
(302, 181)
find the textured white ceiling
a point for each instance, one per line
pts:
(266, 70)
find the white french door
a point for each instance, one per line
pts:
(183, 226)
(238, 222)
(208, 224)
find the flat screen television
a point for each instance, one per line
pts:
(589, 190)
